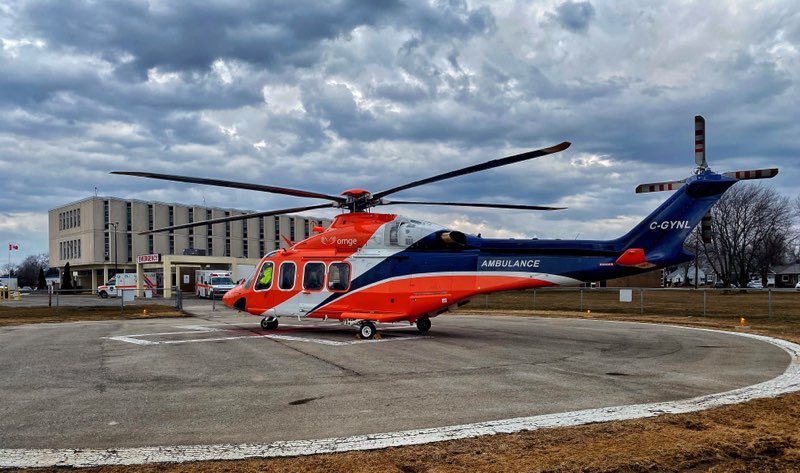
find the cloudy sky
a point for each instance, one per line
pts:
(327, 96)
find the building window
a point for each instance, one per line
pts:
(106, 219)
(150, 244)
(107, 245)
(150, 218)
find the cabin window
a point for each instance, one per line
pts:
(314, 276)
(264, 279)
(286, 276)
(339, 277)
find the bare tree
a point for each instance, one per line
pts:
(28, 270)
(750, 230)
(694, 245)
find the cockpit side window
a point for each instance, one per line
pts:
(286, 276)
(314, 276)
(264, 277)
(338, 277)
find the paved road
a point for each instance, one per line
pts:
(216, 378)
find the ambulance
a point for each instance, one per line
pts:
(127, 282)
(211, 284)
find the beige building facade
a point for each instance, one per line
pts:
(99, 236)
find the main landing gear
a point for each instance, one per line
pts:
(367, 330)
(269, 323)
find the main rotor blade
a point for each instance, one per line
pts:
(477, 167)
(234, 218)
(234, 185)
(472, 204)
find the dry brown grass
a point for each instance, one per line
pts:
(761, 435)
(10, 315)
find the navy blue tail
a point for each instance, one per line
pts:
(664, 231)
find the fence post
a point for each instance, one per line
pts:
(769, 292)
(581, 309)
(641, 301)
(705, 301)
(178, 298)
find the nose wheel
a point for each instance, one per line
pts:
(269, 323)
(423, 324)
(367, 330)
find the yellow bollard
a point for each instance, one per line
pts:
(741, 321)
(144, 312)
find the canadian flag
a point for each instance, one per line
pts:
(12, 247)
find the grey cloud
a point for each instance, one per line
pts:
(575, 16)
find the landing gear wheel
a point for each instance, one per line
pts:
(268, 324)
(367, 331)
(423, 324)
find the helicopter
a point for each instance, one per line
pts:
(370, 267)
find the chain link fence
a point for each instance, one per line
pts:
(748, 303)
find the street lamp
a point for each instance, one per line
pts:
(115, 224)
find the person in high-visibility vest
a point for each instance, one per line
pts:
(265, 281)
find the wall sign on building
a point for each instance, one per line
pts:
(154, 258)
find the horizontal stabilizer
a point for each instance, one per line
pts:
(752, 174)
(659, 186)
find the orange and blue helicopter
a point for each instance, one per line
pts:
(368, 268)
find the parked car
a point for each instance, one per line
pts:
(721, 285)
(755, 284)
(797, 286)
(25, 290)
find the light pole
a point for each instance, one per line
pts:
(115, 224)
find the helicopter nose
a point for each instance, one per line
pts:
(235, 298)
(230, 296)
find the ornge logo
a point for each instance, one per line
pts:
(331, 240)
(670, 224)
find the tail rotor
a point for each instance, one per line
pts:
(703, 170)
